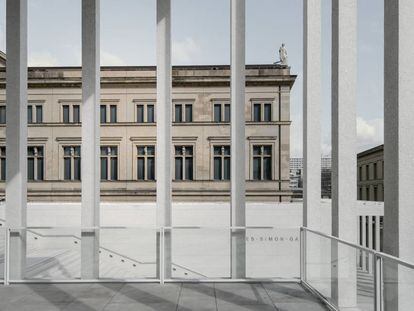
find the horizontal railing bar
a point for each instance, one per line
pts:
(365, 249)
(148, 227)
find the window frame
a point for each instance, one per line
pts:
(183, 104)
(262, 104)
(35, 158)
(261, 157)
(72, 161)
(145, 111)
(145, 157)
(222, 104)
(222, 156)
(108, 158)
(184, 157)
(71, 111)
(3, 159)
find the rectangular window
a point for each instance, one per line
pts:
(184, 169)
(109, 163)
(72, 162)
(76, 113)
(146, 162)
(103, 113)
(65, 113)
(29, 114)
(183, 112)
(188, 113)
(262, 112)
(2, 114)
(227, 113)
(113, 115)
(375, 171)
(145, 112)
(262, 162)
(178, 116)
(221, 112)
(221, 162)
(267, 113)
(257, 110)
(150, 114)
(39, 114)
(35, 163)
(367, 177)
(217, 112)
(2, 163)
(140, 113)
(360, 175)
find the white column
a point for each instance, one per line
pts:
(398, 150)
(90, 138)
(164, 140)
(344, 77)
(16, 131)
(312, 88)
(238, 158)
(370, 243)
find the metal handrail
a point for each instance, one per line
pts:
(362, 248)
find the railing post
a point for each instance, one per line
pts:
(378, 289)
(302, 255)
(6, 256)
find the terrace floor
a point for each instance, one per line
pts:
(156, 297)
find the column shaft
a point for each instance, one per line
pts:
(16, 131)
(90, 150)
(398, 150)
(238, 158)
(344, 78)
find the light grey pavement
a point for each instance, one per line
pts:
(156, 297)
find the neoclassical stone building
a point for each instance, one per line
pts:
(201, 133)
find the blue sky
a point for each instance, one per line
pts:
(201, 36)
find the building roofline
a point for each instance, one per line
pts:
(370, 151)
(2, 57)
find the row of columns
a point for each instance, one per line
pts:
(16, 133)
(368, 236)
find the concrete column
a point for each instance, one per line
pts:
(90, 138)
(377, 233)
(238, 137)
(312, 89)
(164, 140)
(398, 150)
(16, 132)
(344, 196)
(370, 243)
(364, 242)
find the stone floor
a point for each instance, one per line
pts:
(155, 297)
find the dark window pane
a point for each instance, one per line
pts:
(150, 150)
(141, 169)
(257, 169)
(103, 114)
(66, 151)
(267, 168)
(114, 150)
(227, 113)
(40, 151)
(150, 168)
(178, 113)
(30, 168)
(256, 150)
(77, 167)
(2, 114)
(29, 114)
(178, 168)
(141, 150)
(104, 150)
(150, 113)
(114, 168)
(76, 113)
(30, 151)
(77, 151)
(113, 110)
(178, 150)
(267, 150)
(267, 112)
(39, 114)
(227, 150)
(104, 168)
(67, 169)
(140, 113)
(226, 168)
(256, 112)
(189, 150)
(40, 169)
(189, 168)
(65, 114)
(217, 150)
(217, 112)
(3, 169)
(217, 168)
(188, 113)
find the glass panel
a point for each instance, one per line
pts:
(39, 114)
(66, 151)
(188, 168)
(217, 168)
(178, 113)
(150, 150)
(103, 113)
(30, 168)
(114, 168)
(227, 113)
(40, 151)
(3, 169)
(179, 168)
(267, 150)
(188, 113)
(40, 169)
(104, 150)
(141, 169)
(140, 113)
(178, 150)
(256, 150)
(141, 150)
(76, 113)
(151, 168)
(2, 114)
(114, 117)
(217, 112)
(29, 114)
(104, 168)
(65, 114)
(257, 111)
(77, 168)
(67, 169)
(267, 112)
(227, 166)
(188, 150)
(267, 168)
(150, 113)
(30, 151)
(77, 150)
(217, 150)
(227, 150)
(257, 167)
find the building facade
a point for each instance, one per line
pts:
(371, 174)
(201, 133)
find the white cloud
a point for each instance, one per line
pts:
(186, 52)
(109, 59)
(370, 133)
(43, 59)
